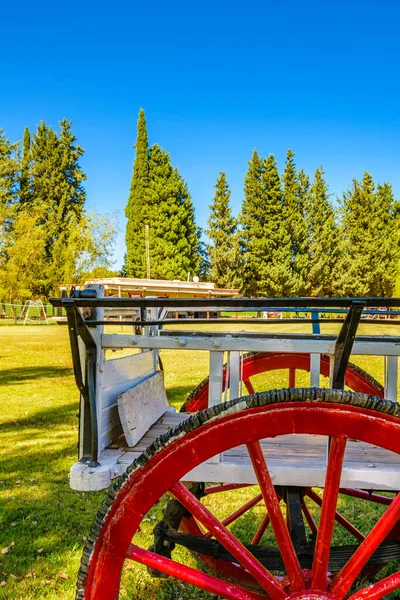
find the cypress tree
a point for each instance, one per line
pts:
(169, 213)
(25, 181)
(323, 246)
(251, 220)
(224, 249)
(276, 244)
(266, 243)
(135, 262)
(295, 194)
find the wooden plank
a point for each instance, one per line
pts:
(215, 378)
(231, 343)
(141, 406)
(127, 368)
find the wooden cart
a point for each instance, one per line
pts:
(287, 442)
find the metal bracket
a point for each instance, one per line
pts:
(78, 327)
(344, 343)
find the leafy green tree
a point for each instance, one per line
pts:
(224, 247)
(135, 263)
(323, 240)
(22, 269)
(295, 199)
(25, 190)
(169, 213)
(9, 172)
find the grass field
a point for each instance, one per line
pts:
(43, 523)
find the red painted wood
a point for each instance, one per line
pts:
(328, 510)
(225, 487)
(378, 590)
(344, 580)
(339, 518)
(264, 362)
(281, 532)
(267, 581)
(292, 378)
(206, 582)
(148, 483)
(239, 512)
(261, 530)
(225, 569)
(363, 495)
(249, 385)
(307, 514)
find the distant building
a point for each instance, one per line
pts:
(127, 287)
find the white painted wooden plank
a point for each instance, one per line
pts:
(230, 343)
(234, 364)
(141, 406)
(315, 369)
(127, 368)
(215, 378)
(392, 373)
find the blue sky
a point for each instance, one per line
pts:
(216, 79)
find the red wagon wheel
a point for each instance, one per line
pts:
(336, 414)
(357, 379)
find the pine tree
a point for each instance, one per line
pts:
(386, 231)
(25, 182)
(169, 213)
(295, 200)
(323, 247)
(58, 195)
(135, 262)
(224, 248)
(357, 248)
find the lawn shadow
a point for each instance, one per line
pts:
(48, 416)
(22, 374)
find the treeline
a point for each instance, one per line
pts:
(289, 239)
(47, 237)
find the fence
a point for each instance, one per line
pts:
(14, 311)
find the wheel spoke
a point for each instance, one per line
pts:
(239, 512)
(309, 519)
(206, 582)
(366, 496)
(292, 378)
(281, 532)
(339, 518)
(344, 580)
(249, 386)
(225, 487)
(380, 589)
(328, 511)
(267, 581)
(261, 530)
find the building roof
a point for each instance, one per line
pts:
(154, 287)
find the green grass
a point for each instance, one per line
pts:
(43, 523)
